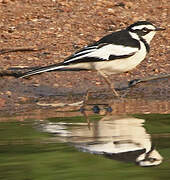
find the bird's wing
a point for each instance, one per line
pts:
(101, 52)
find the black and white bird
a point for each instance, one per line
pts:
(118, 52)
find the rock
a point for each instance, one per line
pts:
(2, 102)
(8, 93)
(111, 11)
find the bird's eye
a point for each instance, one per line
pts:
(152, 159)
(145, 30)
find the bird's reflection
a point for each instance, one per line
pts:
(119, 138)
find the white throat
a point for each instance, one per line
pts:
(134, 36)
(148, 37)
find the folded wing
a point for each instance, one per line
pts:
(101, 52)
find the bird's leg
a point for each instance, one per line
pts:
(83, 108)
(86, 97)
(109, 83)
(87, 119)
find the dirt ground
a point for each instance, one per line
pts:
(61, 27)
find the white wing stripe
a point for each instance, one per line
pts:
(79, 57)
(85, 51)
(110, 49)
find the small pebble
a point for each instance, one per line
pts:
(96, 109)
(109, 109)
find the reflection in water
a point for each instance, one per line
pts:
(118, 138)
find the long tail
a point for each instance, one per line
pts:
(54, 67)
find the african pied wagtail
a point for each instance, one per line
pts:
(118, 52)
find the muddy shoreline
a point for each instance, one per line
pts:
(44, 101)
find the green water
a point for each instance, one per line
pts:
(29, 154)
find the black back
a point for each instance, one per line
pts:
(120, 38)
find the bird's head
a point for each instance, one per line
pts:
(152, 158)
(144, 29)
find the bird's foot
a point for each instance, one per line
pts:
(134, 82)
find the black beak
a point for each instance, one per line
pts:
(159, 29)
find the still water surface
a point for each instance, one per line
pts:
(115, 147)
